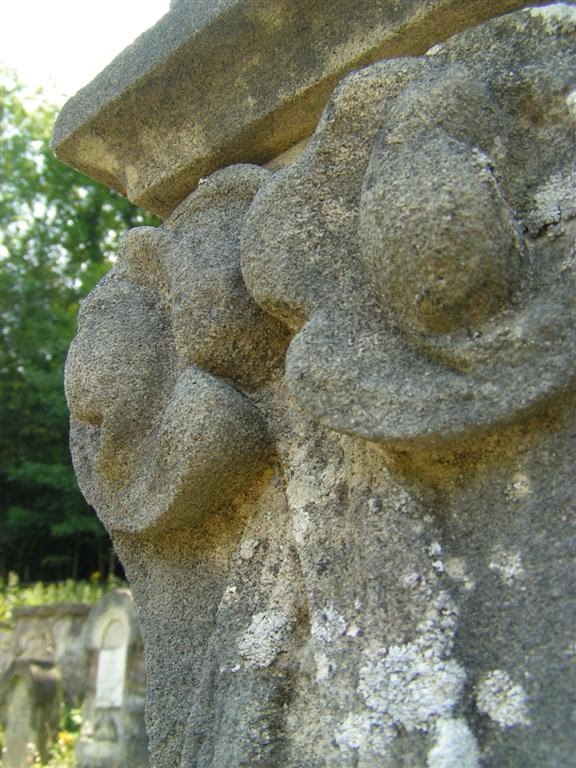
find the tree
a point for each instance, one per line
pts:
(61, 231)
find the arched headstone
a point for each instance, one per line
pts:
(113, 732)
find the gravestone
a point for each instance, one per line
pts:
(113, 733)
(53, 633)
(6, 644)
(326, 409)
(30, 712)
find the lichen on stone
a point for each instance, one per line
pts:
(507, 565)
(363, 733)
(410, 686)
(503, 700)
(556, 15)
(328, 624)
(416, 682)
(455, 745)
(264, 638)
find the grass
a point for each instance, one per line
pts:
(62, 751)
(15, 594)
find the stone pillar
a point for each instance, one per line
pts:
(30, 711)
(326, 409)
(113, 732)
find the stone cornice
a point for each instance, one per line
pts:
(215, 83)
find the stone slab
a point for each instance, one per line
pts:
(215, 83)
(113, 731)
(52, 633)
(30, 704)
(110, 677)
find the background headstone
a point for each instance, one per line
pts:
(113, 733)
(6, 646)
(30, 712)
(54, 633)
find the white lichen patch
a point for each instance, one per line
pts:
(327, 625)
(411, 580)
(265, 638)
(230, 595)
(503, 700)
(414, 683)
(456, 569)
(411, 686)
(455, 745)
(324, 668)
(353, 630)
(434, 549)
(300, 525)
(483, 163)
(557, 16)
(439, 625)
(520, 487)
(571, 104)
(507, 564)
(553, 202)
(229, 668)
(363, 733)
(248, 548)
(435, 50)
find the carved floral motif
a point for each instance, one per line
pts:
(413, 271)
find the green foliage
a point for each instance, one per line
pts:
(14, 594)
(60, 234)
(62, 751)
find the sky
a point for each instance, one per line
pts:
(61, 45)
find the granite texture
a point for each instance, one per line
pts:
(327, 415)
(215, 83)
(415, 246)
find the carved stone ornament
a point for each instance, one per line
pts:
(420, 248)
(326, 414)
(157, 428)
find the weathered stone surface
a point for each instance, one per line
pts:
(413, 251)
(6, 642)
(175, 301)
(179, 426)
(327, 415)
(161, 116)
(113, 732)
(53, 633)
(30, 712)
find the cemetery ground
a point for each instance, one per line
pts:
(14, 595)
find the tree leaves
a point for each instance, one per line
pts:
(60, 232)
